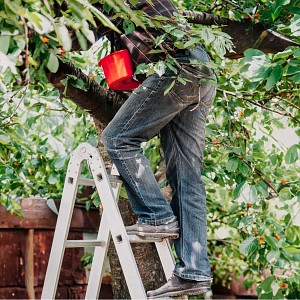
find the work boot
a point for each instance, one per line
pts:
(177, 286)
(169, 230)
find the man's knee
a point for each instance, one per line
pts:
(107, 139)
(114, 141)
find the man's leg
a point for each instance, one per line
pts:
(141, 117)
(183, 141)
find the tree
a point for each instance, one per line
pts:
(256, 94)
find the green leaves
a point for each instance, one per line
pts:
(4, 139)
(232, 164)
(274, 77)
(292, 154)
(63, 36)
(52, 63)
(256, 65)
(245, 193)
(160, 68)
(273, 243)
(4, 43)
(38, 22)
(216, 41)
(128, 26)
(249, 246)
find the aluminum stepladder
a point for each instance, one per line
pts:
(111, 225)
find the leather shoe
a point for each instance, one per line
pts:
(177, 286)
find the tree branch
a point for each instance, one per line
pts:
(205, 18)
(261, 175)
(100, 102)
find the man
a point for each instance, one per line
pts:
(179, 117)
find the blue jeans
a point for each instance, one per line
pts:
(179, 118)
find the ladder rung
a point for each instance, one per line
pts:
(84, 243)
(136, 239)
(91, 182)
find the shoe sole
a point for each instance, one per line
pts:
(192, 292)
(153, 235)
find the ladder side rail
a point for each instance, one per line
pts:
(166, 256)
(96, 272)
(119, 235)
(62, 226)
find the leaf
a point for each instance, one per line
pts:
(283, 54)
(292, 250)
(292, 70)
(273, 256)
(102, 18)
(160, 68)
(79, 84)
(244, 169)
(4, 43)
(275, 288)
(285, 194)
(248, 246)
(266, 284)
(232, 164)
(4, 139)
(297, 53)
(156, 51)
(59, 162)
(128, 26)
(292, 154)
(296, 78)
(89, 34)
(142, 69)
(179, 34)
(52, 179)
(249, 53)
(274, 77)
(63, 36)
(160, 39)
(39, 23)
(171, 67)
(168, 89)
(207, 35)
(82, 42)
(287, 218)
(273, 243)
(237, 191)
(291, 234)
(52, 63)
(276, 13)
(262, 188)
(252, 195)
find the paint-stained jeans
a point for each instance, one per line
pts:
(179, 118)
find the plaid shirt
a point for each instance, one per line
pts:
(139, 43)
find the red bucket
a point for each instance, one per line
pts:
(118, 71)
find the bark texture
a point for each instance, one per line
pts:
(146, 256)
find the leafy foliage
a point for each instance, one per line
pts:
(252, 178)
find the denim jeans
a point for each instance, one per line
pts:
(179, 118)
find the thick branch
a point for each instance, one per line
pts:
(245, 34)
(100, 102)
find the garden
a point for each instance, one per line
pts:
(53, 97)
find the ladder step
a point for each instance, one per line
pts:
(96, 243)
(84, 243)
(91, 182)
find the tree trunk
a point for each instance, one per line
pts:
(146, 257)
